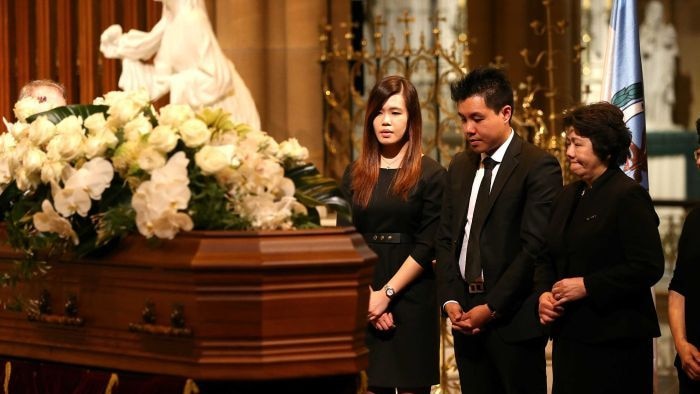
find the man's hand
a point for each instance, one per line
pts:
(471, 322)
(478, 317)
(458, 318)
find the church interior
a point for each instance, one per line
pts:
(304, 69)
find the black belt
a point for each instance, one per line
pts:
(388, 238)
(476, 287)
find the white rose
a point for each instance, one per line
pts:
(6, 171)
(41, 131)
(98, 143)
(51, 171)
(291, 149)
(26, 180)
(212, 159)
(163, 138)
(175, 115)
(150, 159)
(125, 155)
(65, 146)
(7, 142)
(194, 133)
(33, 159)
(70, 125)
(20, 131)
(124, 106)
(137, 128)
(29, 106)
(95, 122)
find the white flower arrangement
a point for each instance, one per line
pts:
(86, 175)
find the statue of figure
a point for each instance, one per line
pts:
(659, 49)
(188, 62)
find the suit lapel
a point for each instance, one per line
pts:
(505, 170)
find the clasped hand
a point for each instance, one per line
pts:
(551, 303)
(376, 313)
(470, 322)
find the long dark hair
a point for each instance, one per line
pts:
(365, 171)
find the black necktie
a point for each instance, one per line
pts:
(473, 261)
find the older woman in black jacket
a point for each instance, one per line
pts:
(603, 254)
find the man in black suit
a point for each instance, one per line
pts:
(488, 241)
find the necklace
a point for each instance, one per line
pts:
(386, 163)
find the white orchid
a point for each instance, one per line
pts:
(267, 213)
(157, 202)
(86, 184)
(49, 221)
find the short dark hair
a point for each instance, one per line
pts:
(697, 128)
(490, 83)
(603, 123)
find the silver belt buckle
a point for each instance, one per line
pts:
(476, 287)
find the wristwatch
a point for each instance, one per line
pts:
(389, 291)
(493, 311)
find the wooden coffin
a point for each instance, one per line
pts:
(207, 305)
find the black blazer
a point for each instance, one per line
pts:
(608, 236)
(525, 186)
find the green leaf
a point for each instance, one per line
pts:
(56, 115)
(314, 189)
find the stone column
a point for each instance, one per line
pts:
(274, 45)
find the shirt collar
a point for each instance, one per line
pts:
(501, 151)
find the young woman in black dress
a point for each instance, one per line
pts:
(396, 193)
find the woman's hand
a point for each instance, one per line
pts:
(378, 302)
(384, 322)
(690, 360)
(569, 289)
(549, 309)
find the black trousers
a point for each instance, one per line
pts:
(489, 365)
(621, 366)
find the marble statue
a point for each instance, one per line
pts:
(188, 62)
(659, 50)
